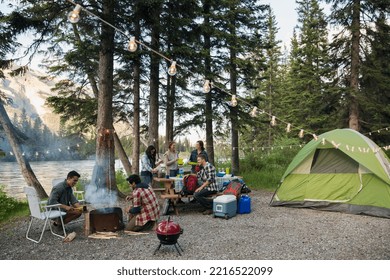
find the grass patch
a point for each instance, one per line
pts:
(11, 207)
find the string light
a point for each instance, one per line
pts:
(273, 121)
(74, 16)
(172, 69)
(206, 86)
(288, 128)
(315, 137)
(234, 101)
(132, 47)
(253, 113)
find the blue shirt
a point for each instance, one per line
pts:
(194, 157)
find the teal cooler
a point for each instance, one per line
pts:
(244, 205)
(225, 206)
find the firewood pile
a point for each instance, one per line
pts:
(104, 235)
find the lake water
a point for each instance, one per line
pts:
(45, 171)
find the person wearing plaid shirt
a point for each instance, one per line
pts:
(206, 178)
(145, 209)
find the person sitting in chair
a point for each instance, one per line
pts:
(62, 193)
(145, 210)
(208, 186)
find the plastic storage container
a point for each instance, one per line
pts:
(225, 206)
(244, 205)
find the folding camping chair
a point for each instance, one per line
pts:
(42, 213)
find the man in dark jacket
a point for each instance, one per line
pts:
(62, 193)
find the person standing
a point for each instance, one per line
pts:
(145, 209)
(199, 149)
(62, 193)
(206, 176)
(149, 165)
(170, 158)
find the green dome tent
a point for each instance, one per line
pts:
(340, 171)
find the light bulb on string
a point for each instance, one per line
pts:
(301, 133)
(273, 121)
(253, 112)
(288, 128)
(132, 47)
(74, 16)
(172, 69)
(315, 137)
(206, 86)
(234, 101)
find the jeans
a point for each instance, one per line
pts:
(173, 173)
(147, 179)
(201, 197)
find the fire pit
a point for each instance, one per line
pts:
(106, 219)
(168, 232)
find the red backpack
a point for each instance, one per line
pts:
(190, 184)
(234, 188)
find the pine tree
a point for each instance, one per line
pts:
(375, 82)
(352, 18)
(267, 87)
(309, 102)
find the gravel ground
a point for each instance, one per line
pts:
(267, 233)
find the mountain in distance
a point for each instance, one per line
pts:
(29, 91)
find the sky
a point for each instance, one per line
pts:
(286, 18)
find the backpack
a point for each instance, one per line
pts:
(190, 184)
(234, 187)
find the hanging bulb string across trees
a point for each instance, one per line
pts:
(74, 17)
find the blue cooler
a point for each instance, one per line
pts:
(244, 205)
(225, 206)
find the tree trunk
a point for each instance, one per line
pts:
(122, 154)
(208, 101)
(233, 110)
(355, 65)
(234, 120)
(170, 110)
(105, 160)
(25, 167)
(136, 92)
(154, 78)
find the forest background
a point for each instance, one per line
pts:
(257, 102)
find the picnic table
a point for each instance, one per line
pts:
(173, 186)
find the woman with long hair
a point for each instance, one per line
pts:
(171, 158)
(199, 149)
(149, 165)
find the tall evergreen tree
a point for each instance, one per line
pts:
(241, 25)
(353, 19)
(310, 101)
(375, 81)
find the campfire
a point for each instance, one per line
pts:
(104, 221)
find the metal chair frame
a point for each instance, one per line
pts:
(43, 213)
